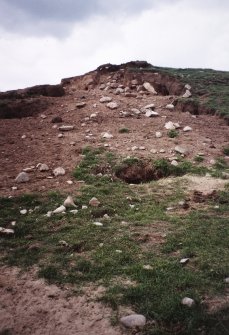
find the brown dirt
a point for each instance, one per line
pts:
(42, 144)
(28, 306)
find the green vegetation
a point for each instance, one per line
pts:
(124, 131)
(199, 159)
(173, 133)
(136, 253)
(226, 151)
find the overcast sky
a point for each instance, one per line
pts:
(43, 41)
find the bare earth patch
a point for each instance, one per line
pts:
(29, 306)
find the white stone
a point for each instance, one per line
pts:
(162, 151)
(135, 111)
(6, 231)
(112, 105)
(69, 182)
(105, 99)
(59, 210)
(147, 267)
(188, 302)
(134, 148)
(99, 224)
(149, 88)
(226, 280)
(170, 125)
(23, 137)
(107, 135)
(119, 90)
(49, 214)
(170, 106)
(158, 134)
(74, 211)
(181, 150)
(43, 116)
(174, 163)
(43, 167)
(184, 261)
(150, 106)
(59, 171)
(66, 128)
(187, 94)
(23, 211)
(60, 135)
(133, 320)
(187, 128)
(150, 113)
(84, 207)
(153, 151)
(188, 87)
(14, 188)
(69, 202)
(22, 177)
(142, 148)
(94, 202)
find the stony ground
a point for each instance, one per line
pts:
(28, 305)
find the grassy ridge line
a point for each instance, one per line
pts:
(209, 87)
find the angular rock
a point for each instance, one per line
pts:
(99, 224)
(149, 88)
(59, 210)
(170, 125)
(188, 302)
(107, 136)
(105, 99)
(158, 134)
(188, 87)
(112, 105)
(23, 211)
(80, 105)
(174, 163)
(184, 261)
(187, 94)
(94, 202)
(43, 167)
(150, 106)
(181, 150)
(22, 177)
(119, 90)
(66, 128)
(187, 128)
(170, 106)
(133, 320)
(59, 171)
(6, 232)
(150, 113)
(69, 202)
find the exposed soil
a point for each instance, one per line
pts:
(42, 144)
(28, 306)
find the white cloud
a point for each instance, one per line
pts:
(178, 35)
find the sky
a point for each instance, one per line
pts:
(43, 41)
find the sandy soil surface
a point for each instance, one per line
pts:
(29, 306)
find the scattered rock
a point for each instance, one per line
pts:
(5, 231)
(58, 210)
(94, 202)
(112, 105)
(170, 106)
(69, 182)
(22, 177)
(74, 211)
(158, 134)
(188, 87)
(105, 99)
(188, 302)
(150, 113)
(99, 224)
(147, 267)
(184, 261)
(59, 171)
(181, 150)
(69, 202)
(226, 280)
(107, 136)
(149, 88)
(23, 137)
(63, 243)
(170, 125)
(174, 163)
(187, 94)
(150, 106)
(43, 167)
(80, 105)
(23, 211)
(133, 320)
(66, 128)
(57, 119)
(187, 128)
